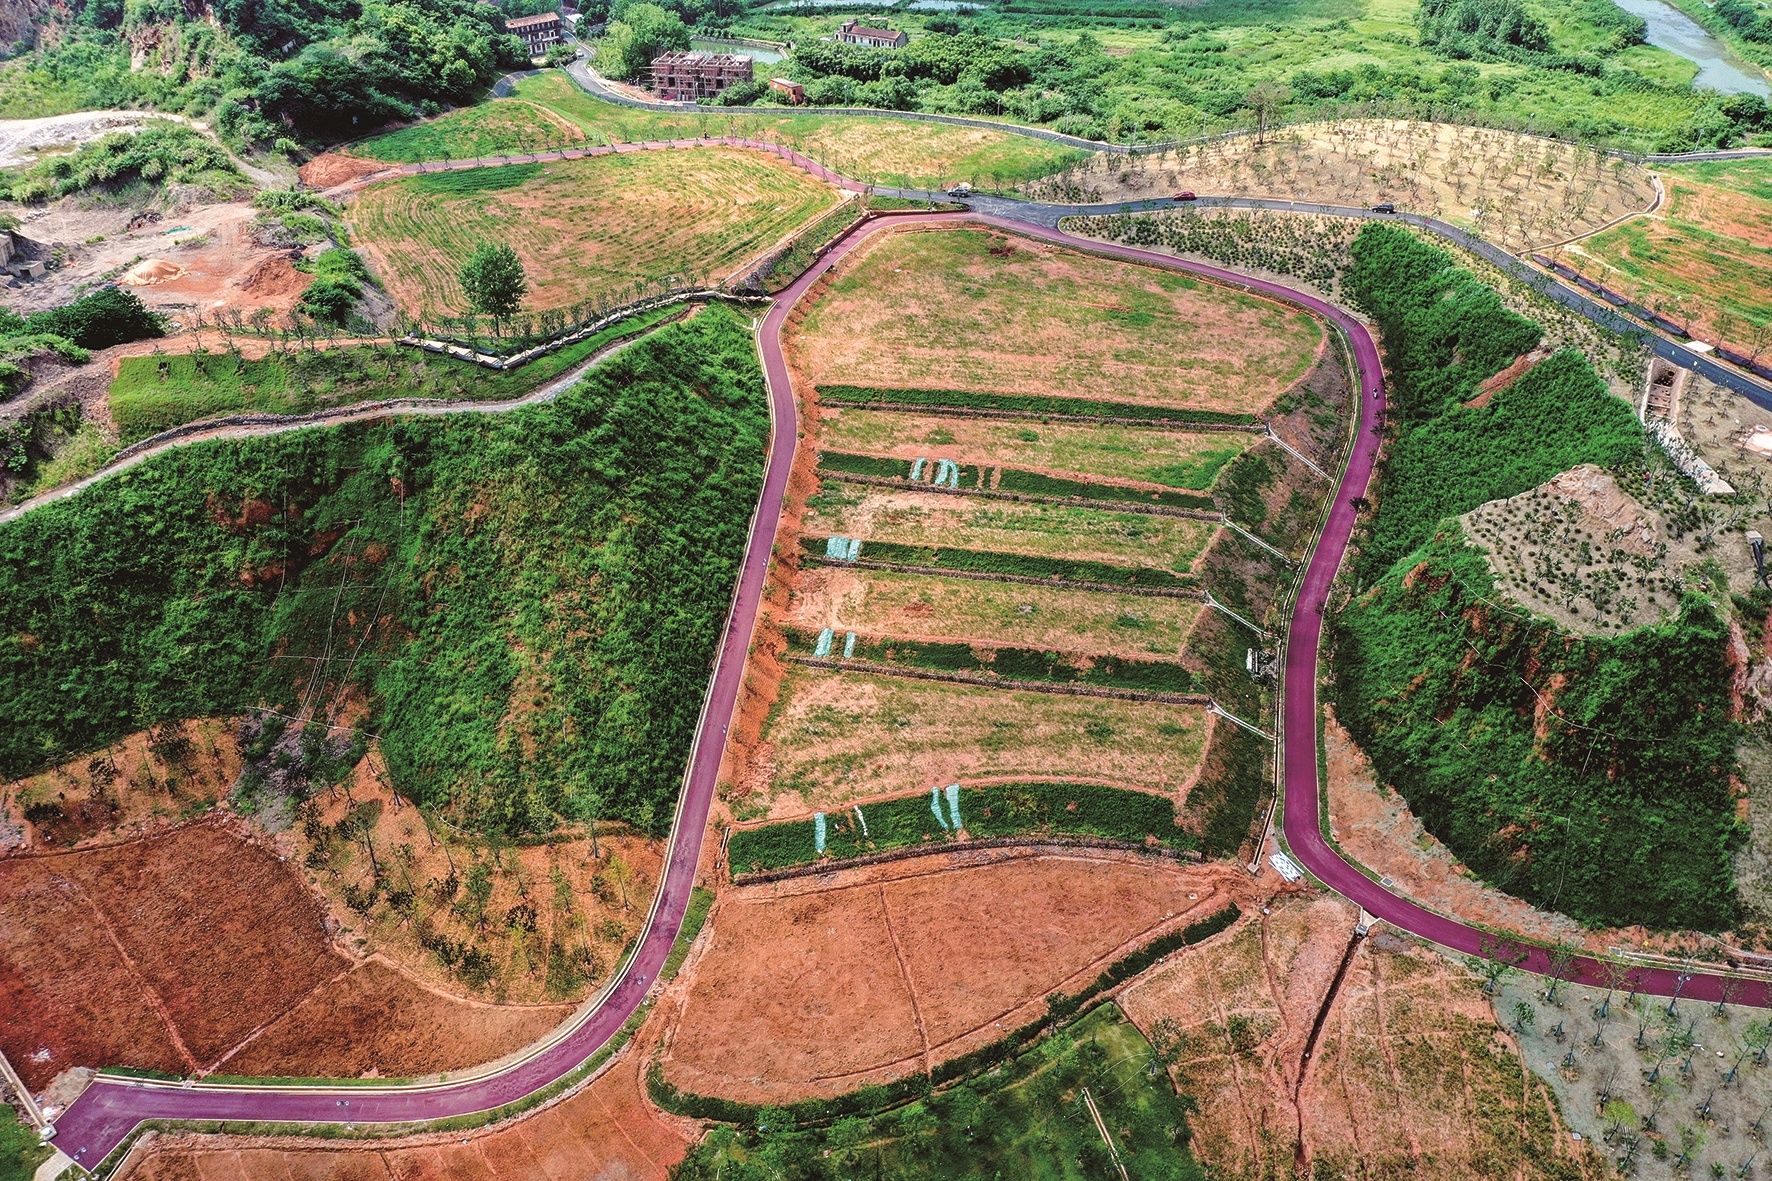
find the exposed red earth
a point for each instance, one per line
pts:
(109, 1109)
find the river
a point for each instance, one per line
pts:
(1718, 67)
(756, 53)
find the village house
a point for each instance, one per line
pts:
(539, 33)
(795, 92)
(857, 34)
(686, 77)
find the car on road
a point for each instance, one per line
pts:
(960, 191)
(1186, 195)
(1384, 207)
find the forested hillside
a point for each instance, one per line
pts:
(1590, 775)
(529, 603)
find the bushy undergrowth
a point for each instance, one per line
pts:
(1023, 565)
(529, 602)
(1014, 809)
(1013, 664)
(162, 153)
(1587, 775)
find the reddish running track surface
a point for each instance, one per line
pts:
(111, 1108)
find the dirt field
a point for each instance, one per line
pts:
(1701, 258)
(585, 229)
(190, 258)
(973, 310)
(819, 986)
(916, 606)
(1410, 1077)
(932, 518)
(1514, 189)
(840, 736)
(1174, 459)
(606, 1132)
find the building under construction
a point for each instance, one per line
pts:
(686, 77)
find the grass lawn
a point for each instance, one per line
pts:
(1026, 1120)
(1006, 526)
(840, 736)
(977, 310)
(1174, 458)
(145, 401)
(899, 153)
(932, 607)
(488, 129)
(1703, 257)
(584, 229)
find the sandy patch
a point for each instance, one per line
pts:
(819, 986)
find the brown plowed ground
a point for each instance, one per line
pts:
(1410, 1077)
(331, 169)
(606, 1132)
(817, 986)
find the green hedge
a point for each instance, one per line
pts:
(1024, 565)
(837, 395)
(1001, 810)
(863, 465)
(1013, 664)
(1015, 480)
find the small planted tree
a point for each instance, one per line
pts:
(494, 282)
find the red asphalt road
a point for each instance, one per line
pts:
(110, 1109)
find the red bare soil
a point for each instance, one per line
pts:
(605, 1132)
(376, 1020)
(817, 986)
(331, 169)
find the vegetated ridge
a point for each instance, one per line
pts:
(1589, 775)
(529, 602)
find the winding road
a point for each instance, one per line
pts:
(110, 1109)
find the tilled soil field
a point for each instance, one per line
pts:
(817, 986)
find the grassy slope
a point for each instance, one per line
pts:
(939, 309)
(523, 661)
(200, 385)
(1589, 775)
(585, 229)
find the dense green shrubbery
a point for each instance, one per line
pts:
(1038, 484)
(163, 152)
(1014, 664)
(339, 276)
(1055, 407)
(1001, 810)
(1589, 775)
(863, 465)
(1445, 332)
(530, 601)
(1023, 565)
(108, 316)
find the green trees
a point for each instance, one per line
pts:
(494, 282)
(638, 33)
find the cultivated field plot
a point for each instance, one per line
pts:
(811, 989)
(1700, 259)
(1174, 459)
(930, 607)
(969, 309)
(505, 126)
(893, 152)
(585, 229)
(1410, 1076)
(838, 736)
(1515, 189)
(932, 518)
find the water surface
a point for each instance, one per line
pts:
(1718, 67)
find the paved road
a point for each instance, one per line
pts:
(109, 1109)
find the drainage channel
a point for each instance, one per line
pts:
(1300, 1163)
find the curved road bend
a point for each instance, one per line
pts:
(111, 1108)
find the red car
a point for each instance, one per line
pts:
(1186, 195)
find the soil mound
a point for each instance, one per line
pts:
(335, 168)
(273, 277)
(151, 271)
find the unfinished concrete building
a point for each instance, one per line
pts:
(687, 77)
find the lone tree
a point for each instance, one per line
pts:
(494, 282)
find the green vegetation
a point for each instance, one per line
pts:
(491, 585)
(20, 1150)
(1445, 332)
(1001, 810)
(1045, 407)
(493, 280)
(339, 276)
(637, 33)
(1605, 763)
(153, 394)
(1024, 565)
(1013, 664)
(808, 245)
(1027, 1119)
(701, 902)
(840, 463)
(497, 128)
(1603, 788)
(163, 153)
(106, 317)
